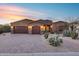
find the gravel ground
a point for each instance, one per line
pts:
(28, 43)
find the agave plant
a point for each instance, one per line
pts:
(55, 41)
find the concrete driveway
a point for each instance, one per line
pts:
(28, 43)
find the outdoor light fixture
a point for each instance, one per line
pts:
(42, 27)
(30, 27)
(11, 27)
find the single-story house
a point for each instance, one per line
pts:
(30, 26)
(59, 26)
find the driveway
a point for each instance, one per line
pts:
(30, 43)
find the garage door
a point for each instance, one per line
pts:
(21, 29)
(36, 30)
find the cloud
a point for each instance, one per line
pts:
(16, 13)
(11, 8)
(11, 16)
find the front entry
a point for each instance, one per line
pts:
(36, 30)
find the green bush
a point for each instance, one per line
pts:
(55, 41)
(43, 32)
(52, 32)
(1, 30)
(74, 35)
(71, 34)
(46, 35)
(6, 28)
(67, 33)
(61, 41)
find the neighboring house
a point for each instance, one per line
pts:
(59, 26)
(30, 26)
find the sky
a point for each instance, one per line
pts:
(10, 12)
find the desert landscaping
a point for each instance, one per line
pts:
(28, 43)
(64, 40)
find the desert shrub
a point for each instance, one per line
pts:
(74, 35)
(6, 28)
(46, 35)
(44, 32)
(61, 41)
(52, 32)
(55, 41)
(67, 33)
(71, 34)
(1, 31)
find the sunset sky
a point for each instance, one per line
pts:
(16, 11)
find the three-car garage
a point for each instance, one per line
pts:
(25, 29)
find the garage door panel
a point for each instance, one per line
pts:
(21, 29)
(36, 30)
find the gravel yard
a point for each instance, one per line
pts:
(28, 43)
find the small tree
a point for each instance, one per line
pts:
(6, 28)
(1, 30)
